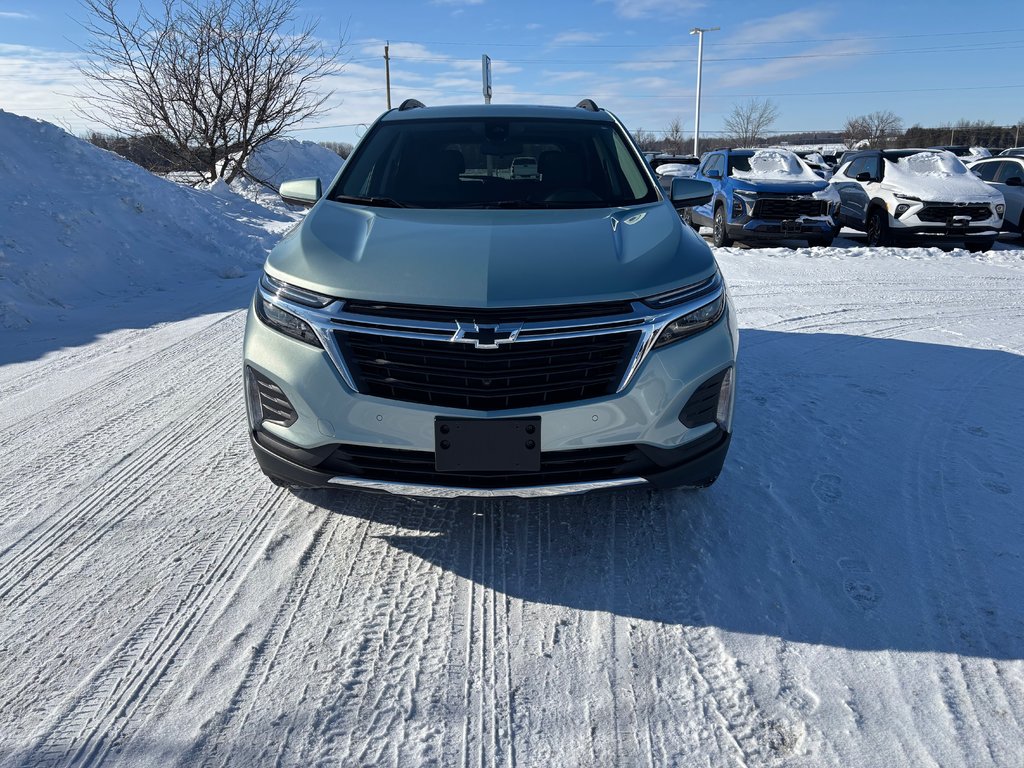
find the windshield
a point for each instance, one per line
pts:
(494, 163)
(763, 164)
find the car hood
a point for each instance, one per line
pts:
(780, 187)
(491, 258)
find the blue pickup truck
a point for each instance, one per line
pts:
(764, 194)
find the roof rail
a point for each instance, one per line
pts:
(410, 104)
(589, 105)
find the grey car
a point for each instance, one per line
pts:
(439, 325)
(1006, 173)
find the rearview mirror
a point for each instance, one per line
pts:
(301, 191)
(864, 176)
(1014, 181)
(687, 193)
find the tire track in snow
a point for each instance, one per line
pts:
(93, 424)
(90, 724)
(214, 748)
(964, 682)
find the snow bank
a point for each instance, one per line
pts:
(936, 176)
(283, 159)
(779, 164)
(83, 226)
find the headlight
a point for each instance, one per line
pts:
(743, 198)
(293, 293)
(281, 319)
(285, 322)
(692, 322)
(908, 197)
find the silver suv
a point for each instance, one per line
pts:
(440, 326)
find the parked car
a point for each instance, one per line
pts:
(814, 160)
(966, 153)
(437, 326)
(904, 195)
(1012, 152)
(1005, 173)
(684, 167)
(764, 194)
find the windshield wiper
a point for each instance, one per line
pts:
(381, 202)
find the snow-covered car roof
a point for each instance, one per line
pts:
(677, 169)
(773, 164)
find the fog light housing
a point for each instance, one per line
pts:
(723, 414)
(267, 401)
(900, 210)
(1000, 209)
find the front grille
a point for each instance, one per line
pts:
(490, 316)
(785, 208)
(556, 467)
(942, 213)
(525, 374)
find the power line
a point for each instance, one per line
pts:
(838, 54)
(689, 94)
(495, 44)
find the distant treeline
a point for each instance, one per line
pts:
(157, 155)
(976, 133)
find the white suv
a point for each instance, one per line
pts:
(927, 196)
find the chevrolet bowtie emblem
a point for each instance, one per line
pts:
(486, 336)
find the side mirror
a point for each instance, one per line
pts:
(687, 193)
(1014, 181)
(301, 191)
(715, 174)
(864, 176)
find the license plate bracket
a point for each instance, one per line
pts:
(487, 445)
(790, 227)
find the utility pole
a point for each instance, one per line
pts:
(387, 71)
(699, 32)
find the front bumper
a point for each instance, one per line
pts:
(643, 420)
(771, 229)
(410, 473)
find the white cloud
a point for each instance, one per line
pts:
(40, 82)
(15, 15)
(646, 66)
(789, 69)
(640, 9)
(574, 37)
(787, 26)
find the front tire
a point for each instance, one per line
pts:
(878, 228)
(687, 216)
(720, 236)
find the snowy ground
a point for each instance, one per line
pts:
(848, 594)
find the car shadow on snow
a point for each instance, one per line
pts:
(871, 500)
(61, 328)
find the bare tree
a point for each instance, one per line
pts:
(646, 140)
(880, 129)
(748, 122)
(215, 79)
(674, 137)
(340, 148)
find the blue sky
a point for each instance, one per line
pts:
(932, 63)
